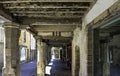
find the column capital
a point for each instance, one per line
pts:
(11, 25)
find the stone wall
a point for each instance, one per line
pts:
(82, 35)
(90, 67)
(115, 44)
(80, 40)
(1, 46)
(1, 54)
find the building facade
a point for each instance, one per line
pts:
(24, 43)
(27, 46)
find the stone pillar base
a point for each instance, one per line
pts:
(8, 72)
(40, 69)
(40, 75)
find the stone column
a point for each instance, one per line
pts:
(61, 58)
(40, 58)
(49, 54)
(66, 52)
(46, 54)
(96, 52)
(28, 54)
(106, 63)
(90, 65)
(11, 65)
(77, 60)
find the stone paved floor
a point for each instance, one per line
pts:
(58, 68)
(55, 68)
(0, 73)
(115, 70)
(28, 69)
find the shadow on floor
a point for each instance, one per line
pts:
(115, 70)
(28, 69)
(0, 73)
(57, 68)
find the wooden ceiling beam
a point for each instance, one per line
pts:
(56, 38)
(26, 1)
(55, 20)
(57, 28)
(50, 9)
(5, 15)
(47, 12)
(59, 42)
(38, 7)
(61, 34)
(54, 24)
(48, 16)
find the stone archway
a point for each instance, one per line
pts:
(77, 60)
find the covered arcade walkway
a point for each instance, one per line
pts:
(57, 68)
(54, 68)
(88, 31)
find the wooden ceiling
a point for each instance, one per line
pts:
(49, 9)
(42, 13)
